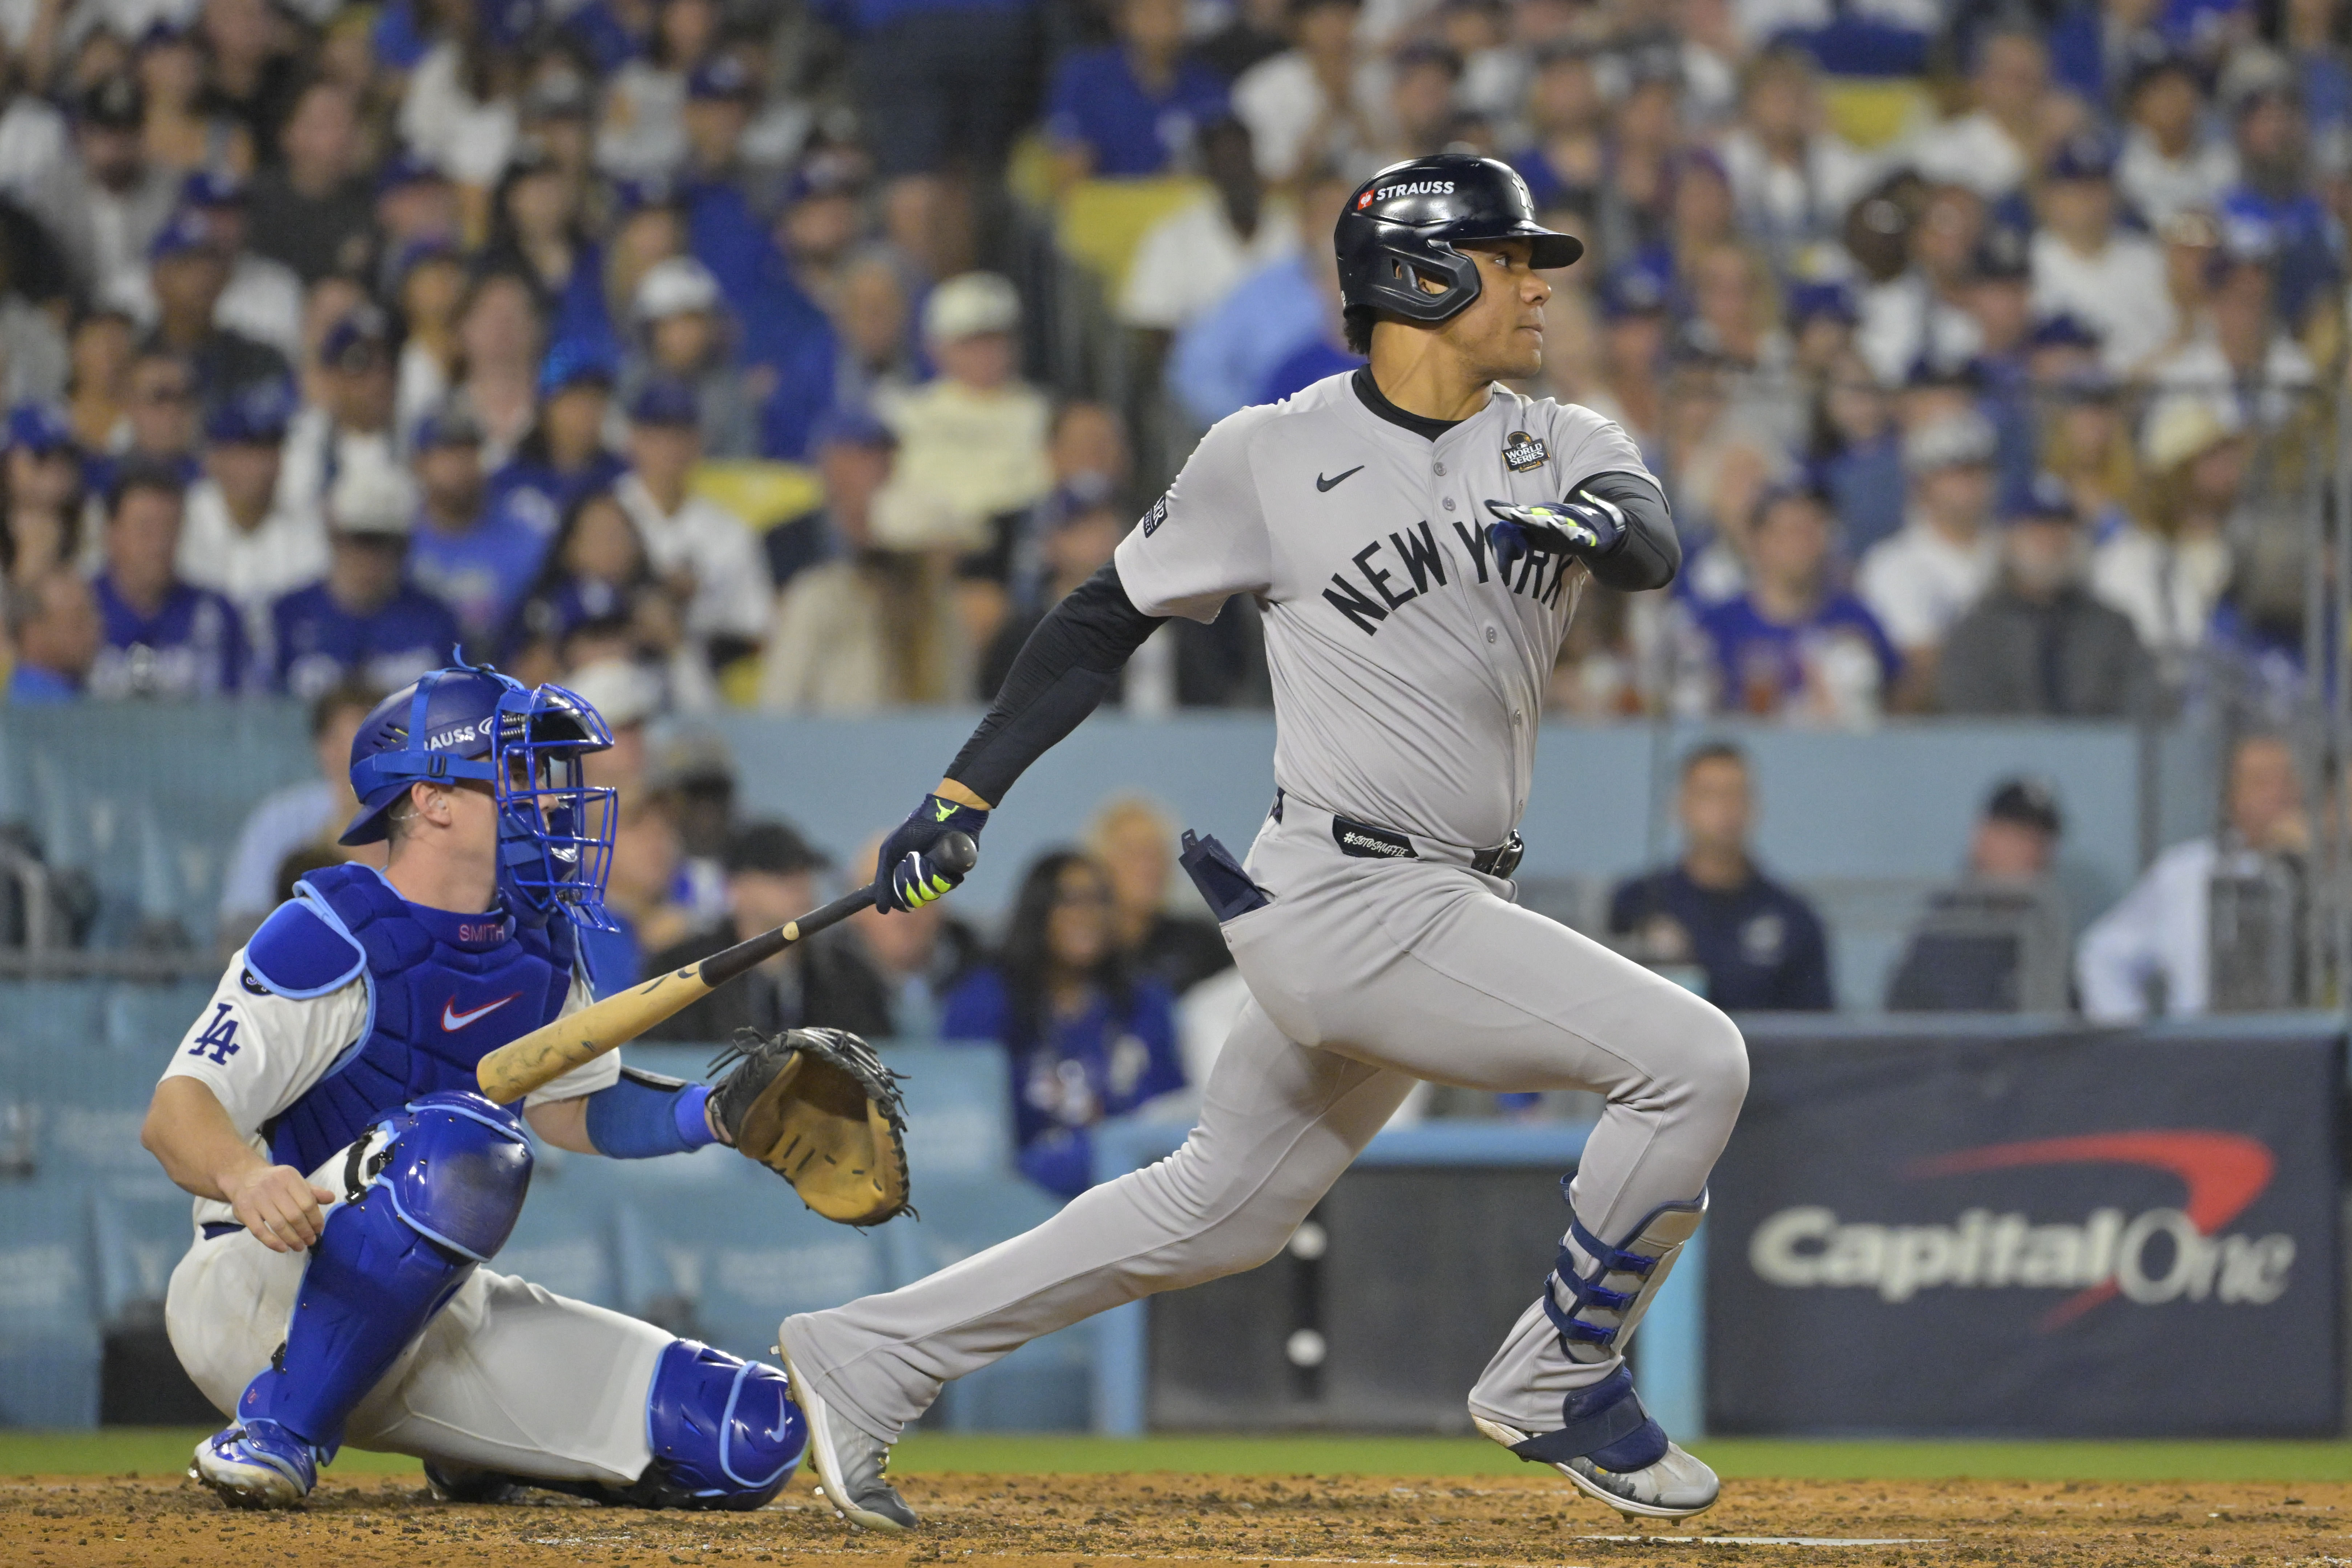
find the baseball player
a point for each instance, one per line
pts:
(1417, 535)
(350, 1185)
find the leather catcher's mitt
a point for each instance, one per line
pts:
(818, 1108)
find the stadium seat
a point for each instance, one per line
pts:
(1102, 221)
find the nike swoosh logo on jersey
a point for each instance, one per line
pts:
(452, 1020)
(1323, 484)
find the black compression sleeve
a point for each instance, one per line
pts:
(1649, 555)
(1068, 665)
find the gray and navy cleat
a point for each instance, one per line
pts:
(256, 1464)
(1609, 1447)
(450, 1481)
(851, 1463)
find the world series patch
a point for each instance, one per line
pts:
(1522, 451)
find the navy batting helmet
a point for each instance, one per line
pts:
(1401, 228)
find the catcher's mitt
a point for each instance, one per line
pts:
(818, 1108)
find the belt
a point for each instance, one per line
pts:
(1369, 841)
(216, 1228)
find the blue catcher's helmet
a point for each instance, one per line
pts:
(555, 830)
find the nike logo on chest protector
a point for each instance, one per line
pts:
(452, 1020)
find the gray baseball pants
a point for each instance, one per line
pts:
(1365, 975)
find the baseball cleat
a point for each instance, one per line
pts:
(1611, 1449)
(850, 1463)
(449, 1482)
(256, 1464)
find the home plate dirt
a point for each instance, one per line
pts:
(1106, 1522)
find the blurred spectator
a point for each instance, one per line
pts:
(2151, 953)
(458, 112)
(1857, 454)
(641, 134)
(2239, 357)
(2038, 644)
(1077, 542)
(1089, 1038)
(972, 441)
(700, 550)
(2085, 266)
(648, 853)
(595, 575)
(241, 538)
(105, 203)
(2167, 567)
(1194, 257)
(820, 225)
(2085, 444)
(187, 272)
(260, 299)
(1566, 118)
(1424, 79)
(852, 452)
(428, 285)
(682, 335)
(1225, 358)
(349, 420)
(564, 456)
(1921, 581)
(1997, 941)
(1991, 149)
(539, 231)
(1760, 946)
(1793, 644)
(1131, 108)
(1254, 30)
(2168, 164)
(159, 415)
(1792, 178)
(414, 204)
(53, 625)
(43, 487)
(1314, 355)
(498, 337)
(825, 982)
(164, 638)
(867, 626)
(363, 620)
(920, 954)
(250, 70)
(2273, 210)
(98, 383)
(1319, 101)
(477, 562)
(310, 208)
(1914, 318)
(1135, 844)
(309, 815)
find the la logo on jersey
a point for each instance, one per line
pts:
(219, 1039)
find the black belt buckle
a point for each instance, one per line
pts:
(1502, 860)
(1225, 887)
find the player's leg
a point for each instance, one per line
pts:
(429, 1193)
(1278, 1124)
(1480, 993)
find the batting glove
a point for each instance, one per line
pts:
(1584, 525)
(907, 875)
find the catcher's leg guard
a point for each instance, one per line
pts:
(1607, 1297)
(434, 1189)
(726, 1433)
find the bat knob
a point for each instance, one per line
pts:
(956, 853)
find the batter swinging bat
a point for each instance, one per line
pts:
(546, 1054)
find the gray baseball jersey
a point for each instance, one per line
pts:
(1408, 669)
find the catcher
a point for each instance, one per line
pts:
(350, 1188)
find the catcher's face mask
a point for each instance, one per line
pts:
(555, 829)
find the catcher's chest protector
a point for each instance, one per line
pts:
(443, 991)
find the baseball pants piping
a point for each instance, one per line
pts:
(1364, 976)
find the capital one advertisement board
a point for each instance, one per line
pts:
(2095, 1233)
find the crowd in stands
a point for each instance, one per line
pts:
(1980, 345)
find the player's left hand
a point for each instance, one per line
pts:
(1584, 525)
(906, 874)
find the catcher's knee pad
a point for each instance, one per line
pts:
(726, 1434)
(454, 1166)
(1608, 1287)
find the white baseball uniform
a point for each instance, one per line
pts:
(493, 1380)
(1408, 674)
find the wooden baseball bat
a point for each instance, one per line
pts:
(546, 1054)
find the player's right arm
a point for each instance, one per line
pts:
(201, 1150)
(1200, 545)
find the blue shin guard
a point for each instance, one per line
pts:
(435, 1189)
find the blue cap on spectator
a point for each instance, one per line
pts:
(39, 429)
(1802, 488)
(188, 232)
(1807, 301)
(357, 342)
(2046, 499)
(256, 415)
(2064, 330)
(722, 77)
(449, 423)
(665, 400)
(851, 424)
(2087, 155)
(1636, 287)
(833, 173)
(573, 363)
(408, 168)
(212, 188)
(506, 23)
